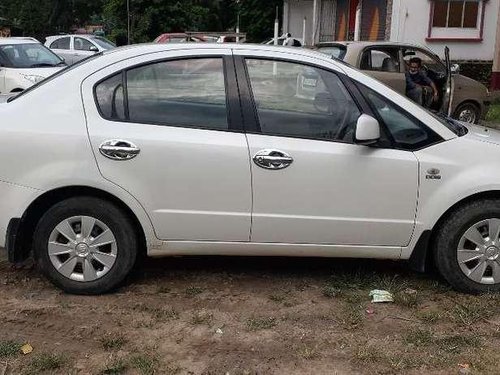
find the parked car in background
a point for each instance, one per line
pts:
(24, 62)
(460, 97)
(178, 38)
(236, 149)
(73, 48)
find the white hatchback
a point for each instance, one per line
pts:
(24, 62)
(179, 149)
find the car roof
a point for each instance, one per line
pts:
(67, 35)
(18, 40)
(159, 47)
(364, 44)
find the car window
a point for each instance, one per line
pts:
(110, 98)
(82, 44)
(337, 51)
(407, 132)
(188, 93)
(429, 61)
(103, 42)
(301, 101)
(380, 59)
(29, 55)
(61, 43)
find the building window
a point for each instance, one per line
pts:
(456, 13)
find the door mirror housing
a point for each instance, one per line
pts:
(455, 69)
(367, 130)
(93, 49)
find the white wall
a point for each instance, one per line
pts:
(410, 24)
(297, 10)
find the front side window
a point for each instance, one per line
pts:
(456, 13)
(187, 93)
(380, 59)
(407, 132)
(29, 55)
(61, 43)
(301, 101)
(82, 44)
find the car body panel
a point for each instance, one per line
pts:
(73, 55)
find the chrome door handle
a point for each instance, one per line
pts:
(118, 149)
(272, 159)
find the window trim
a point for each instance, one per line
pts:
(251, 120)
(478, 39)
(232, 110)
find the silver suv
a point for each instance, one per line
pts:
(73, 48)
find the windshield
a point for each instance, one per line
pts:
(103, 42)
(55, 75)
(337, 51)
(29, 55)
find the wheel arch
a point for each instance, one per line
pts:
(22, 247)
(421, 257)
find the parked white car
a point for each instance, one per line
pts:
(24, 62)
(73, 48)
(179, 149)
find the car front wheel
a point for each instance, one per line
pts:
(467, 247)
(468, 112)
(85, 245)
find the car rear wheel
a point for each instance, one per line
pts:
(467, 247)
(468, 112)
(85, 245)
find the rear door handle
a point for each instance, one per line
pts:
(272, 159)
(118, 149)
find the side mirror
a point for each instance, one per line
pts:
(93, 49)
(455, 69)
(367, 130)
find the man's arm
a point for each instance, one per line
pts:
(430, 83)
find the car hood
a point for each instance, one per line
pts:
(461, 80)
(4, 98)
(483, 134)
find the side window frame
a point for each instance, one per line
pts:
(439, 139)
(251, 116)
(233, 109)
(381, 48)
(58, 40)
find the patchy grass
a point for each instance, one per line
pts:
(429, 317)
(145, 364)
(117, 367)
(260, 323)
(113, 342)
(308, 352)
(202, 317)
(160, 314)
(408, 298)
(9, 348)
(351, 316)
(192, 291)
(45, 362)
(493, 114)
(419, 337)
(330, 291)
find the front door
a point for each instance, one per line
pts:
(311, 183)
(172, 139)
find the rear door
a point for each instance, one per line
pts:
(82, 48)
(167, 128)
(384, 64)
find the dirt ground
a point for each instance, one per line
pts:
(228, 315)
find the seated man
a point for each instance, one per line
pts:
(418, 85)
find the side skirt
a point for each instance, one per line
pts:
(176, 248)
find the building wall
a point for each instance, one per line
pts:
(410, 24)
(297, 10)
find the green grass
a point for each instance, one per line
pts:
(494, 113)
(146, 365)
(116, 368)
(9, 348)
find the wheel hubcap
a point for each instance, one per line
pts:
(82, 248)
(467, 115)
(478, 252)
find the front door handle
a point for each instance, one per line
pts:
(118, 149)
(272, 159)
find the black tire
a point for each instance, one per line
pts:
(447, 240)
(109, 214)
(472, 108)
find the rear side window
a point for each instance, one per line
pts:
(381, 60)
(61, 43)
(186, 93)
